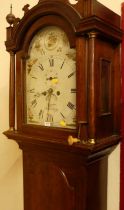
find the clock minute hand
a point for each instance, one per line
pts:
(50, 92)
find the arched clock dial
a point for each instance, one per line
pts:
(51, 80)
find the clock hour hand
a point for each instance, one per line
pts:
(44, 93)
(54, 80)
(47, 93)
(51, 78)
(37, 95)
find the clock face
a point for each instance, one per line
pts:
(51, 80)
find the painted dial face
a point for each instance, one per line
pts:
(51, 80)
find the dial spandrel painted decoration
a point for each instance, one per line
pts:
(51, 80)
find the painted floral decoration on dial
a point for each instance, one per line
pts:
(51, 80)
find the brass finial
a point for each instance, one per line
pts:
(91, 141)
(72, 140)
(11, 9)
(73, 1)
(26, 8)
(11, 129)
(10, 17)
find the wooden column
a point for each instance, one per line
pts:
(81, 44)
(91, 86)
(12, 92)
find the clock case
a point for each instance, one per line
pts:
(57, 175)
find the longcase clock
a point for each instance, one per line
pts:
(65, 96)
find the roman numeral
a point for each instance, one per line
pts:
(33, 77)
(49, 118)
(62, 64)
(31, 90)
(71, 106)
(51, 62)
(73, 90)
(62, 115)
(41, 67)
(34, 103)
(70, 75)
(41, 114)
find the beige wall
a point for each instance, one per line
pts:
(11, 194)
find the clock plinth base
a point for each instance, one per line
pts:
(60, 180)
(60, 176)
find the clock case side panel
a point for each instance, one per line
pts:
(60, 134)
(106, 107)
(108, 113)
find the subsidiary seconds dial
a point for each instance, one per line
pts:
(51, 81)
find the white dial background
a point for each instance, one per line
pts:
(51, 80)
